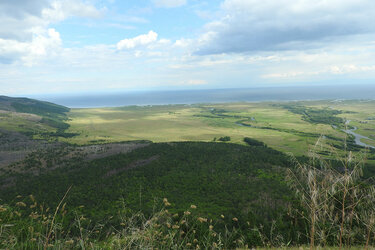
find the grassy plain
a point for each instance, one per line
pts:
(270, 122)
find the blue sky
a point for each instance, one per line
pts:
(84, 46)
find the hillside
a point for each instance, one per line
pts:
(220, 178)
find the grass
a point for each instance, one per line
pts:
(197, 123)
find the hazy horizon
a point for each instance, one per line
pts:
(193, 96)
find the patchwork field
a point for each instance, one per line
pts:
(280, 125)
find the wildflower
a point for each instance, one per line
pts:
(32, 198)
(235, 219)
(187, 213)
(175, 226)
(188, 244)
(32, 239)
(195, 241)
(214, 245)
(69, 242)
(122, 224)
(20, 204)
(166, 203)
(183, 222)
(168, 225)
(211, 227)
(2, 209)
(17, 213)
(34, 215)
(193, 206)
(82, 206)
(19, 196)
(222, 216)
(201, 220)
(175, 215)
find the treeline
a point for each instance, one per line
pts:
(313, 115)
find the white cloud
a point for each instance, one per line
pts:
(274, 25)
(24, 31)
(43, 44)
(137, 41)
(169, 3)
(63, 9)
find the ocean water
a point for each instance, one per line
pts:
(214, 96)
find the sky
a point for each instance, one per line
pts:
(96, 46)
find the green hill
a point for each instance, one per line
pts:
(33, 117)
(219, 178)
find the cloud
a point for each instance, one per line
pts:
(169, 3)
(63, 9)
(24, 31)
(43, 44)
(137, 41)
(274, 25)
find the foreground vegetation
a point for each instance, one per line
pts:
(328, 206)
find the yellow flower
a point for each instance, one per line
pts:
(193, 206)
(222, 216)
(211, 227)
(201, 220)
(32, 197)
(20, 204)
(166, 203)
(175, 226)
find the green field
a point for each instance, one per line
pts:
(272, 123)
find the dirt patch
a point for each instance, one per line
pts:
(132, 165)
(104, 150)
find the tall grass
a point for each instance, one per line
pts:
(336, 202)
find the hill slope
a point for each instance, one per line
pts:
(33, 117)
(219, 178)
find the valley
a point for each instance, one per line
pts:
(230, 160)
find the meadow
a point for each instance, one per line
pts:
(273, 123)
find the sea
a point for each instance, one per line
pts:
(255, 94)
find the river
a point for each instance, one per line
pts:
(357, 137)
